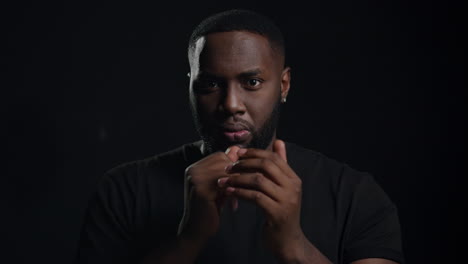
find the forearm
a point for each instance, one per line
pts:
(179, 250)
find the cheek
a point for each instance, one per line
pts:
(260, 106)
(206, 104)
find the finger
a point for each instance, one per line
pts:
(222, 183)
(220, 200)
(231, 152)
(265, 166)
(259, 198)
(279, 147)
(255, 181)
(206, 176)
(245, 154)
(208, 169)
(234, 204)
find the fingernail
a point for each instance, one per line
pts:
(241, 151)
(229, 167)
(230, 189)
(234, 204)
(227, 150)
(234, 164)
(222, 181)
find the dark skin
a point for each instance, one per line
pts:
(237, 75)
(230, 82)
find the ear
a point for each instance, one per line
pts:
(285, 82)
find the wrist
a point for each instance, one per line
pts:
(293, 251)
(302, 251)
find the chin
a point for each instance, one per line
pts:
(221, 145)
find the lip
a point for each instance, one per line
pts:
(233, 127)
(235, 132)
(236, 136)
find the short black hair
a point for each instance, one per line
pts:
(239, 20)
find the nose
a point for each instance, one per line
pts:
(233, 103)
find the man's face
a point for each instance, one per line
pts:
(236, 84)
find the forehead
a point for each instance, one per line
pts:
(233, 52)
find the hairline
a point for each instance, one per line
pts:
(275, 48)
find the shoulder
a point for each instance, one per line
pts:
(314, 164)
(163, 163)
(303, 157)
(328, 177)
(363, 212)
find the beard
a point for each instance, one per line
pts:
(261, 138)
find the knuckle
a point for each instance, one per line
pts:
(276, 157)
(189, 170)
(191, 175)
(258, 179)
(294, 201)
(265, 163)
(298, 182)
(189, 179)
(262, 162)
(220, 155)
(298, 190)
(193, 180)
(257, 196)
(297, 187)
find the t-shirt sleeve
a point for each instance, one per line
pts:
(106, 235)
(373, 225)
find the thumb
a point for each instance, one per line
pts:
(279, 147)
(231, 152)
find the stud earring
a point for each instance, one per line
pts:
(283, 100)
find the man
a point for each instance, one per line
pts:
(239, 195)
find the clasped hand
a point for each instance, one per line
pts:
(261, 176)
(265, 178)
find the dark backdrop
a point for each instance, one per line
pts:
(376, 84)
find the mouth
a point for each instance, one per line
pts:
(235, 133)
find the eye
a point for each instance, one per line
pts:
(253, 83)
(212, 84)
(205, 86)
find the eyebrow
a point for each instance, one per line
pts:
(249, 73)
(242, 75)
(208, 75)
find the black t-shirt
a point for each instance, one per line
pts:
(138, 206)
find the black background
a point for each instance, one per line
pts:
(376, 84)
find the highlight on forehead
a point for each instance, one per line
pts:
(195, 50)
